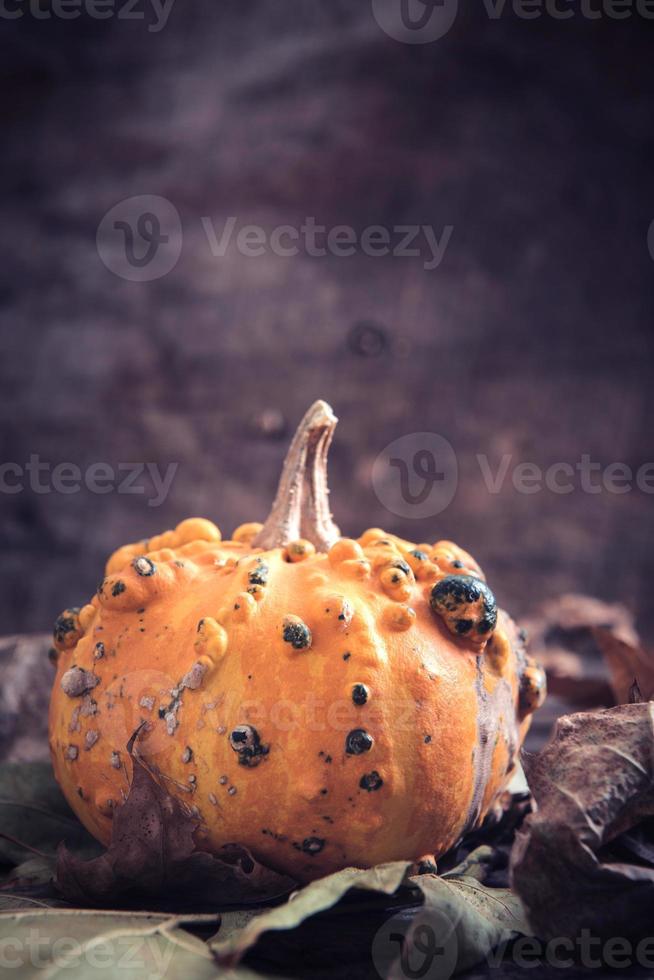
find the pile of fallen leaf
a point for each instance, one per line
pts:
(570, 849)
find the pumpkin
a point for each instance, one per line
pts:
(322, 700)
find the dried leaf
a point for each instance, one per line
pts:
(573, 613)
(635, 846)
(81, 944)
(477, 864)
(30, 885)
(152, 852)
(309, 901)
(34, 871)
(233, 922)
(20, 901)
(592, 782)
(460, 923)
(631, 666)
(457, 910)
(561, 637)
(35, 815)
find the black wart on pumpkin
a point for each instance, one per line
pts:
(259, 575)
(296, 633)
(466, 605)
(245, 741)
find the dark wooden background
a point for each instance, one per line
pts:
(534, 337)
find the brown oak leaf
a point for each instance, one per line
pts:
(629, 664)
(592, 783)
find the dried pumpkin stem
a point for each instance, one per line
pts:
(301, 506)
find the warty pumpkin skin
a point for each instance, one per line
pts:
(323, 701)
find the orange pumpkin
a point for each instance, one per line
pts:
(323, 701)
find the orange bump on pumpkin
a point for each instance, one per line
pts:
(324, 701)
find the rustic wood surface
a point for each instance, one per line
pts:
(533, 337)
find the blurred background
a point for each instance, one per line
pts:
(137, 330)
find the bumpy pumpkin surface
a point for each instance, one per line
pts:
(323, 701)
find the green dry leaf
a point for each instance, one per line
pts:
(83, 944)
(35, 815)
(476, 864)
(458, 912)
(80, 944)
(309, 901)
(465, 918)
(35, 871)
(232, 922)
(19, 901)
(29, 885)
(152, 852)
(593, 782)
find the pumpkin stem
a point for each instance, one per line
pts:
(301, 505)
